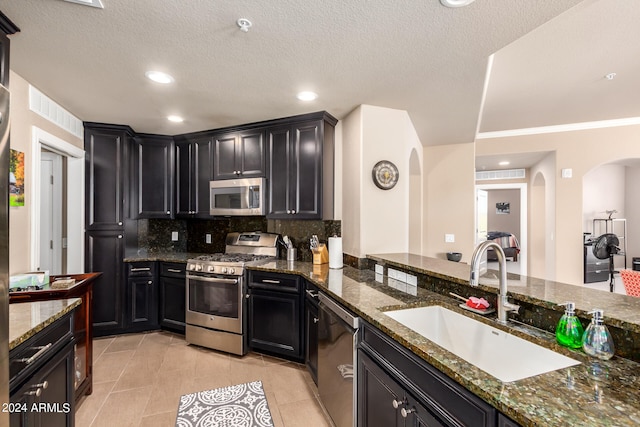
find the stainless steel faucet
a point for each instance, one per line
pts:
(504, 306)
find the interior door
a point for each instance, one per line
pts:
(50, 213)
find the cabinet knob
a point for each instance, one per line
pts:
(168, 212)
(247, 296)
(37, 392)
(119, 236)
(288, 211)
(404, 412)
(293, 211)
(43, 385)
(150, 282)
(397, 403)
(120, 223)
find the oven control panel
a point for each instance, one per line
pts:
(215, 269)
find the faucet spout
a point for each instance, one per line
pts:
(504, 306)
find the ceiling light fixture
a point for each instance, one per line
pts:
(93, 3)
(159, 77)
(307, 96)
(175, 119)
(610, 76)
(456, 3)
(504, 163)
(244, 24)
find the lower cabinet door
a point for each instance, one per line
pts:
(275, 324)
(172, 303)
(143, 303)
(380, 397)
(47, 398)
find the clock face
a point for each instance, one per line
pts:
(385, 175)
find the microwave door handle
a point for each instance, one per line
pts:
(248, 191)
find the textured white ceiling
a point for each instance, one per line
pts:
(414, 55)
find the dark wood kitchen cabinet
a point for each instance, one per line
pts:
(173, 296)
(45, 379)
(396, 386)
(107, 149)
(104, 253)
(141, 296)
(300, 169)
(194, 170)
(275, 320)
(154, 176)
(6, 29)
(239, 155)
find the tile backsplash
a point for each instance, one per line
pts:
(155, 234)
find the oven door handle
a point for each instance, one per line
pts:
(214, 280)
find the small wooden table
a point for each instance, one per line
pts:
(83, 324)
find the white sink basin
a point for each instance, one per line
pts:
(498, 353)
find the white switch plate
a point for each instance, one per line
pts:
(174, 236)
(450, 238)
(567, 173)
(207, 238)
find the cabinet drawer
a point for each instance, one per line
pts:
(277, 282)
(173, 269)
(147, 268)
(447, 399)
(602, 265)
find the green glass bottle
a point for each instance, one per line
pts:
(569, 330)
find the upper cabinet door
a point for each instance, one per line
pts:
(184, 181)
(202, 174)
(279, 147)
(224, 166)
(307, 149)
(105, 170)
(250, 154)
(239, 155)
(155, 176)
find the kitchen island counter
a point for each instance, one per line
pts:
(28, 318)
(594, 393)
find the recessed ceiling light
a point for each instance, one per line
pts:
(456, 3)
(307, 96)
(504, 163)
(175, 119)
(159, 77)
(94, 3)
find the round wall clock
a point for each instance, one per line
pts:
(385, 175)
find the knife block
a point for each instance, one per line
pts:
(320, 254)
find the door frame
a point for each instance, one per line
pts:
(524, 208)
(75, 197)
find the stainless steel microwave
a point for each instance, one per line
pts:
(237, 197)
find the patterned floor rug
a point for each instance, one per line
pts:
(242, 405)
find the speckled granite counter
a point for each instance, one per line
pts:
(28, 318)
(160, 256)
(594, 393)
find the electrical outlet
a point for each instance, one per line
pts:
(450, 238)
(379, 269)
(207, 238)
(174, 236)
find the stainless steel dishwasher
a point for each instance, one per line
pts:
(337, 334)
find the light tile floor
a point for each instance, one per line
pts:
(139, 378)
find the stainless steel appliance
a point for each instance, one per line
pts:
(4, 249)
(237, 196)
(216, 289)
(337, 346)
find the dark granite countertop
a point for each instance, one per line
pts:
(143, 255)
(594, 393)
(619, 310)
(28, 318)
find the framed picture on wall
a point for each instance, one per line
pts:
(16, 178)
(503, 208)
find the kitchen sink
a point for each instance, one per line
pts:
(498, 353)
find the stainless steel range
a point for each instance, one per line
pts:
(216, 289)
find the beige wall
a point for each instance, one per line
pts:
(22, 121)
(509, 223)
(580, 151)
(375, 220)
(449, 200)
(632, 211)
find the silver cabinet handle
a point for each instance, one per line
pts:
(173, 270)
(42, 349)
(141, 269)
(315, 320)
(43, 385)
(404, 412)
(311, 293)
(275, 282)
